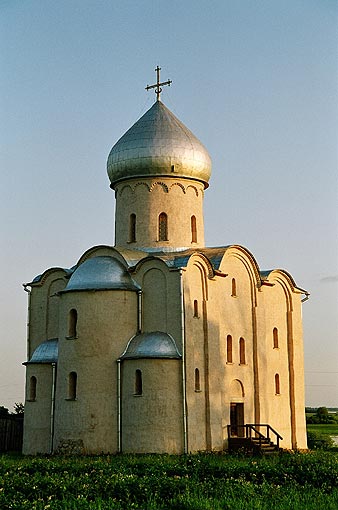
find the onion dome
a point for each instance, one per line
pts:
(158, 144)
(47, 352)
(154, 344)
(101, 273)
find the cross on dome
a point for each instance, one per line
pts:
(157, 86)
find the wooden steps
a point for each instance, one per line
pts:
(253, 441)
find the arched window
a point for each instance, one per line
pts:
(32, 388)
(72, 323)
(132, 228)
(233, 288)
(193, 229)
(163, 227)
(275, 338)
(138, 382)
(277, 384)
(195, 308)
(229, 349)
(241, 351)
(197, 380)
(72, 386)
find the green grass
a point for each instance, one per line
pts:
(328, 429)
(293, 481)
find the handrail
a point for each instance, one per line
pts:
(265, 425)
(250, 428)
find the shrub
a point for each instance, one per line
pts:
(316, 441)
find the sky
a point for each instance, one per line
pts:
(254, 80)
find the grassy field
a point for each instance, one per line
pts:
(328, 429)
(293, 481)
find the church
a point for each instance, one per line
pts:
(159, 343)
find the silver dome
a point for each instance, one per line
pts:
(100, 273)
(154, 344)
(47, 352)
(158, 144)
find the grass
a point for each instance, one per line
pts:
(149, 482)
(328, 429)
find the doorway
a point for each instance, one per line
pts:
(237, 419)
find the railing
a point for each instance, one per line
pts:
(253, 431)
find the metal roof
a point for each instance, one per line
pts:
(154, 344)
(101, 273)
(159, 144)
(47, 352)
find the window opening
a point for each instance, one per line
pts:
(72, 325)
(72, 386)
(32, 388)
(233, 288)
(195, 308)
(229, 349)
(132, 228)
(197, 380)
(241, 351)
(193, 229)
(277, 384)
(163, 227)
(275, 338)
(138, 382)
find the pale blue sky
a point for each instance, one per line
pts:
(255, 80)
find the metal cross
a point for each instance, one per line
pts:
(158, 85)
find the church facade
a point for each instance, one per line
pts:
(159, 343)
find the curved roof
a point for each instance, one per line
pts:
(101, 273)
(47, 352)
(154, 344)
(159, 144)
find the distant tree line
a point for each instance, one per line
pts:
(320, 415)
(19, 409)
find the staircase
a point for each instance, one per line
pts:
(251, 439)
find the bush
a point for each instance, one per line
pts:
(316, 441)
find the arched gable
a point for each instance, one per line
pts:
(50, 275)
(200, 258)
(206, 270)
(288, 284)
(248, 262)
(146, 262)
(101, 250)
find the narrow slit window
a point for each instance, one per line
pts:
(72, 324)
(32, 388)
(229, 349)
(163, 227)
(275, 338)
(72, 386)
(132, 228)
(195, 308)
(241, 351)
(233, 288)
(138, 382)
(193, 229)
(197, 380)
(277, 384)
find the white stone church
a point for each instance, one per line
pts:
(158, 343)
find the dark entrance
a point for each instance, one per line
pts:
(237, 419)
